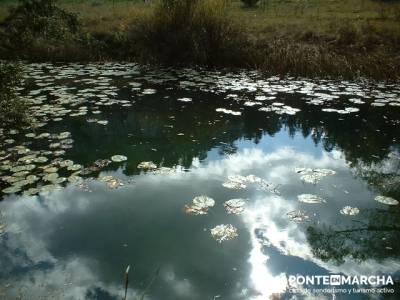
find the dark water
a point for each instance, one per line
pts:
(75, 240)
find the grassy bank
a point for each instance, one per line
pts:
(313, 38)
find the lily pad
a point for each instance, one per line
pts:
(12, 189)
(386, 200)
(75, 179)
(52, 177)
(235, 206)
(313, 175)
(234, 185)
(75, 167)
(298, 216)
(119, 158)
(147, 165)
(41, 159)
(200, 205)
(350, 211)
(50, 170)
(66, 163)
(310, 198)
(224, 232)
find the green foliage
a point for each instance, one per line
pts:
(189, 32)
(13, 111)
(38, 24)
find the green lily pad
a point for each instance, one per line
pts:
(147, 165)
(50, 177)
(386, 200)
(309, 198)
(118, 158)
(12, 189)
(66, 163)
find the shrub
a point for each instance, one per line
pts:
(12, 109)
(189, 32)
(37, 26)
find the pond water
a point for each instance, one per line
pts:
(131, 166)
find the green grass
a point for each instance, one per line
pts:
(316, 14)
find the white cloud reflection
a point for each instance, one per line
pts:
(265, 220)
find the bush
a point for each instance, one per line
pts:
(189, 32)
(12, 109)
(38, 26)
(250, 3)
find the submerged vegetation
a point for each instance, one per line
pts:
(12, 108)
(302, 38)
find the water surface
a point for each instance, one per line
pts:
(73, 234)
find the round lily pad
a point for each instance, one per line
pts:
(119, 158)
(12, 189)
(386, 200)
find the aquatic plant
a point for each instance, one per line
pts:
(200, 205)
(224, 232)
(12, 108)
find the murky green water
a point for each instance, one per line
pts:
(307, 161)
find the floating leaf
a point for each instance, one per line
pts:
(200, 205)
(75, 167)
(119, 158)
(147, 165)
(228, 111)
(234, 185)
(235, 206)
(50, 177)
(310, 198)
(351, 211)
(102, 122)
(75, 179)
(66, 163)
(50, 188)
(101, 163)
(185, 99)
(313, 175)
(12, 189)
(111, 182)
(386, 200)
(298, 216)
(31, 192)
(41, 159)
(50, 170)
(224, 232)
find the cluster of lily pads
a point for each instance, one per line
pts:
(238, 182)
(98, 85)
(35, 171)
(313, 176)
(201, 205)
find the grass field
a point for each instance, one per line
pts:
(271, 16)
(346, 27)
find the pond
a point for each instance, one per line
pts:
(207, 184)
